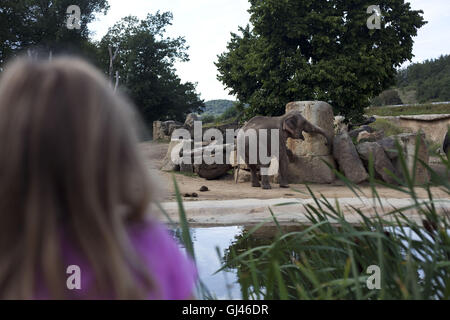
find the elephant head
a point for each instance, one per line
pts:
(294, 124)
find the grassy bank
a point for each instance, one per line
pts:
(409, 110)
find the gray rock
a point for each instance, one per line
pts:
(307, 157)
(354, 133)
(311, 169)
(389, 147)
(211, 171)
(380, 160)
(408, 143)
(339, 125)
(348, 159)
(190, 119)
(242, 175)
(168, 127)
(320, 114)
(164, 130)
(185, 167)
(172, 160)
(366, 136)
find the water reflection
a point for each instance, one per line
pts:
(225, 284)
(215, 246)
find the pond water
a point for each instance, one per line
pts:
(212, 245)
(207, 241)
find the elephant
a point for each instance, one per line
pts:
(291, 125)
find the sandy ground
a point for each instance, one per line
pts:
(228, 203)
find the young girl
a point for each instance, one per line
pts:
(74, 192)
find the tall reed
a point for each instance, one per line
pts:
(330, 258)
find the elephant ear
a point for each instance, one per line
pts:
(290, 125)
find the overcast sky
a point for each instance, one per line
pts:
(206, 26)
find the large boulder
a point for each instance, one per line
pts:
(348, 159)
(207, 170)
(355, 132)
(313, 169)
(408, 144)
(308, 155)
(172, 160)
(190, 119)
(389, 147)
(242, 175)
(156, 130)
(339, 125)
(365, 136)
(211, 171)
(320, 114)
(380, 160)
(162, 130)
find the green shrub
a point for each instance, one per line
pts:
(208, 118)
(230, 113)
(389, 128)
(387, 98)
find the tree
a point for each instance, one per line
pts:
(430, 79)
(26, 24)
(145, 63)
(317, 50)
(387, 98)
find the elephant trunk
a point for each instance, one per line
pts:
(311, 128)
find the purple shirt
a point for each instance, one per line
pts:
(172, 271)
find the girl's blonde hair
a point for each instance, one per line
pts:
(69, 168)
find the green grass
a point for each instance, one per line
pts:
(220, 123)
(410, 110)
(186, 174)
(329, 257)
(389, 128)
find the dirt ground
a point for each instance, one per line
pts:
(227, 189)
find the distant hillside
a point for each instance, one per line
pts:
(428, 81)
(424, 82)
(217, 107)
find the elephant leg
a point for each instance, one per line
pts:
(283, 168)
(283, 161)
(255, 180)
(265, 179)
(283, 175)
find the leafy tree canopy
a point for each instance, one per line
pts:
(29, 23)
(430, 79)
(388, 97)
(146, 67)
(317, 50)
(217, 107)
